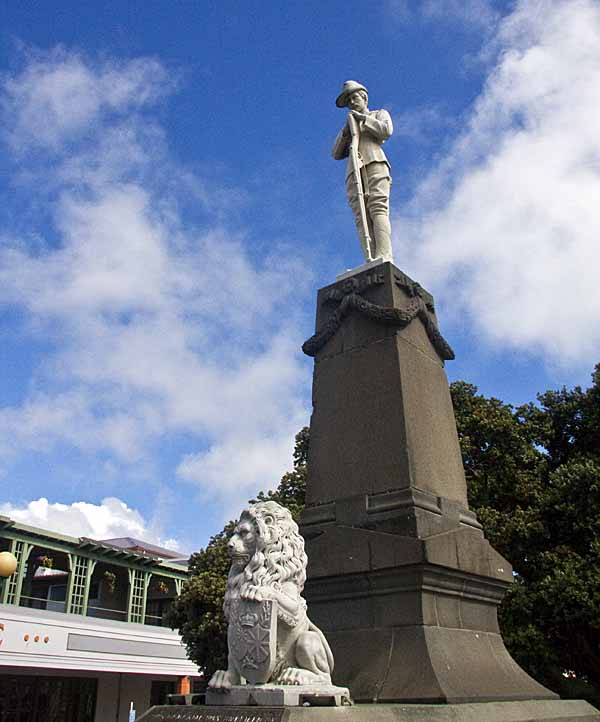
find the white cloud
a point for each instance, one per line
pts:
(59, 94)
(110, 519)
(158, 326)
(477, 13)
(508, 225)
(421, 125)
(480, 15)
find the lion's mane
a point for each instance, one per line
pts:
(279, 556)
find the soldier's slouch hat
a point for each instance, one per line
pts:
(349, 87)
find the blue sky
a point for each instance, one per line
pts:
(169, 206)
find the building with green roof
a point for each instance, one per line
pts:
(82, 627)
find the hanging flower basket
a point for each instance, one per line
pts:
(162, 587)
(111, 581)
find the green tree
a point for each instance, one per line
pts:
(533, 475)
(291, 491)
(198, 612)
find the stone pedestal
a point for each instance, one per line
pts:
(530, 711)
(401, 579)
(277, 695)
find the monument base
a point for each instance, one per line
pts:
(367, 266)
(528, 711)
(277, 695)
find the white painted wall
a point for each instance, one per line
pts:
(38, 638)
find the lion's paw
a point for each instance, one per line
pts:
(221, 680)
(293, 675)
(252, 593)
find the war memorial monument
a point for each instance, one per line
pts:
(401, 585)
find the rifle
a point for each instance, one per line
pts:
(365, 238)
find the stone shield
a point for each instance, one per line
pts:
(252, 638)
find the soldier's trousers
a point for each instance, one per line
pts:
(377, 185)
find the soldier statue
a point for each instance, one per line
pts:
(368, 177)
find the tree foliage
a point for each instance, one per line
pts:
(533, 475)
(292, 487)
(198, 611)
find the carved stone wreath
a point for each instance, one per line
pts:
(351, 301)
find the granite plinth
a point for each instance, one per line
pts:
(359, 269)
(530, 711)
(273, 695)
(209, 713)
(401, 579)
(382, 417)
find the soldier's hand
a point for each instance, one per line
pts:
(359, 116)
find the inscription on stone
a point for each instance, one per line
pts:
(212, 714)
(354, 285)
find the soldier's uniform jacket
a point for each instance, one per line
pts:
(376, 129)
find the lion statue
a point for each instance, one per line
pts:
(268, 561)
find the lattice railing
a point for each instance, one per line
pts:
(79, 587)
(11, 593)
(138, 589)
